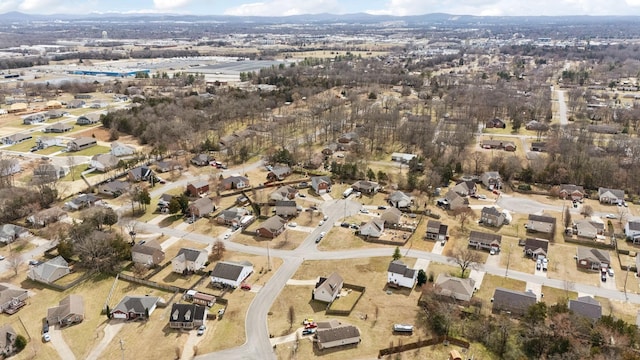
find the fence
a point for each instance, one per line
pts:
(589, 243)
(358, 288)
(422, 343)
(67, 286)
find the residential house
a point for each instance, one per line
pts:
(589, 229)
(189, 260)
(490, 216)
(232, 216)
(8, 338)
(69, 311)
(201, 207)
(140, 173)
(366, 187)
(231, 274)
(400, 200)
(541, 224)
(399, 274)
(592, 259)
(272, 227)
(46, 172)
(148, 253)
(316, 160)
(55, 113)
(234, 182)
(285, 192)
(495, 123)
(201, 159)
(278, 173)
(11, 298)
(59, 128)
(327, 289)
(513, 302)
(586, 306)
(43, 142)
(402, 157)
(82, 201)
(187, 316)
(534, 247)
(455, 201)
(486, 241)
(632, 231)
(119, 149)
(391, 216)
(47, 216)
(197, 188)
(374, 228)
(536, 126)
(286, 208)
(465, 188)
(81, 144)
(331, 334)
(104, 162)
(50, 271)
(89, 119)
(539, 146)
(436, 230)
(16, 139)
(571, 192)
(321, 184)
(34, 119)
(114, 188)
(455, 287)
(166, 166)
(132, 307)
(10, 233)
(203, 299)
(75, 104)
(9, 167)
(610, 196)
(491, 180)
(498, 144)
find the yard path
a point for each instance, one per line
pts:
(192, 341)
(302, 282)
(288, 338)
(59, 344)
(110, 331)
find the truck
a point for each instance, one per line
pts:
(403, 328)
(347, 192)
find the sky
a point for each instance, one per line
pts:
(297, 7)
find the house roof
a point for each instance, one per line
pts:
(7, 336)
(331, 285)
(454, 286)
(83, 141)
(341, 332)
(374, 227)
(140, 172)
(317, 180)
(190, 254)
(521, 299)
(491, 211)
(201, 158)
(85, 199)
(107, 160)
(541, 223)
(398, 267)
(228, 270)
(150, 247)
(484, 238)
(617, 193)
(72, 304)
(273, 223)
(283, 192)
(535, 246)
(593, 255)
(46, 270)
(115, 186)
(233, 213)
(198, 184)
(136, 304)
(491, 175)
(285, 203)
(60, 126)
(587, 307)
(11, 230)
(634, 225)
(365, 185)
(571, 188)
(187, 313)
(7, 294)
(391, 212)
(280, 170)
(433, 226)
(204, 205)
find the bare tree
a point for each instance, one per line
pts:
(291, 316)
(217, 251)
(465, 258)
(567, 218)
(139, 270)
(586, 211)
(464, 214)
(14, 260)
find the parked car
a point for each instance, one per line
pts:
(318, 239)
(226, 236)
(201, 330)
(610, 271)
(482, 196)
(46, 337)
(309, 331)
(382, 208)
(611, 216)
(603, 277)
(492, 251)
(545, 264)
(302, 195)
(538, 264)
(293, 224)
(1, 257)
(344, 225)
(321, 223)
(322, 234)
(311, 325)
(364, 211)
(245, 287)
(325, 218)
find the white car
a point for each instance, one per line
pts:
(292, 224)
(364, 211)
(322, 234)
(226, 236)
(1, 257)
(611, 216)
(321, 223)
(201, 330)
(46, 337)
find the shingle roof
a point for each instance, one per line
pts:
(484, 238)
(228, 270)
(150, 247)
(398, 267)
(520, 299)
(199, 183)
(337, 333)
(273, 223)
(587, 307)
(186, 313)
(433, 226)
(455, 286)
(533, 245)
(593, 255)
(72, 304)
(491, 211)
(136, 304)
(190, 254)
(330, 284)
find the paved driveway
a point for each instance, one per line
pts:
(59, 344)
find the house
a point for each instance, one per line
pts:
(104, 162)
(455, 287)
(75, 104)
(43, 142)
(82, 201)
(572, 192)
(610, 196)
(81, 144)
(189, 260)
(50, 271)
(49, 172)
(187, 316)
(231, 274)
(534, 247)
(331, 334)
(495, 123)
(132, 307)
(202, 298)
(436, 230)
(465, 188)
(283, 193)
(366, 187)
(119, 149)
(58, 128)
(513, 302)
(232, 217)
(34, 119)
(55, 113)
(632, 231)
(148, 253)
(9, 167)
(498, 144)
(286, 208)
(89, 119)
(490, 216)
(536, 125)
(592, 259)
(541, 224)
(486, 241)
(114, 188)
(374, 228)
(166, 166)
(234, 182)
(321, 184)
(197, 188)
(16, 139)
(402, 157)
(69, 311)
(455, 201)
(140, 173)
(400, 200)
(10, 233)
(278, 173)
(11, 298)
(391, 216)
(8, 338)
(588, 229)
(327, 289)
(539, 146)
(586, 306)
(201, 159)
(399, 274)
(201, 207)
(272, 227)
(491, 180)
(47, 216)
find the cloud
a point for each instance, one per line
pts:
(38, 5)
(286, 8)
(170, 4)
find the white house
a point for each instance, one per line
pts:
(327, 289)
(231, 273)
(632, 230)
(104, 162)
(189, 260)
(118, 149)
(400, 275)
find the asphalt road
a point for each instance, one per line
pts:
(562, 108)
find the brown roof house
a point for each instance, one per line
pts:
(201, 207)
(232, 217)
(278, 173)
(436, 230)
(187, 316)
(512, 302)
(366, 187)
(69, 311)
(189, 260)
(486, 241)
(198, 187)
(391, 216)
(400, 274)
(321, 184)
(148, 253)
(592, 259)
(586, 306)
(234, 182)
(374, 228)
(536, 247)
(495, 123)
(541, 224)
(133, 307)
(454, 201)
(490, 216)
(455, 287)
(332, 333)
(327, 289)
(50, 271)
(286, 208)
(10, 298)
(285, 192)
(272, 227)
(572, 192)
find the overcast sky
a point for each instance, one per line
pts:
(296, 7)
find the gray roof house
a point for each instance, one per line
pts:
(455, 287)
(286, 208)
(327, 289)
(10, 298)
(104, 162)
(272, 227)
(232, 217)
(541, 224)
(47, 216)
(201, 207)
(632, 231)
(374, 228)
(482, 240)
(285, 192)
(399, 199)
(230, 273)
(592, 258)
(465, 188)
(513, 302)
(400, 274)
(140, 173)
(610, 196)
(534, 247)
(366, 187)
(187, 316)
(133, 307)
(588, 229)
(49, 172)
(69, 311)
(189, 260)
(321, 184)
(490, 216)
(491, 180)
(332, 334)
(455, 201)
(81, 143)
(10, 233)
(391, 216)
(149, 254)
(201, 160)
(436, 230)
(586, 306)
(50, 271)
(58, 127)
(82, 201)
(8, 338)
(114, 188)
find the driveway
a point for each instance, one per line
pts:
(192, 341)
(536, 288)
(110, 330)
(59, 344)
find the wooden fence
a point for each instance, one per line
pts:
(422, 343)
(359, 288)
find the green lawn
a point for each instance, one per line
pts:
(24, 146)
(94, 150)
(50, 150)
(77, 170)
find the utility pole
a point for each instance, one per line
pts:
(625, 284)
(122, 347)
(506, 272)
(268, 258)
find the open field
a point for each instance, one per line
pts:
(513, 256)
(563, 266)
(489, 285)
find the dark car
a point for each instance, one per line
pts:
(603, 277)
(382, 208)
(318, 239)
(344, 225)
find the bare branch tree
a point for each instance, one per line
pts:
(14, 260)
(464, 214)
(465, 258)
